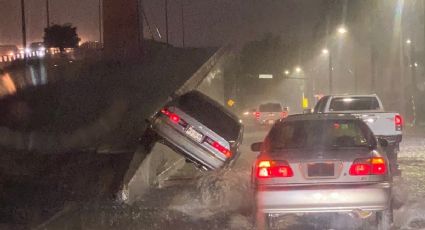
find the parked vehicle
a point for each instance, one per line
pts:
(199, 128)
(369, 108)
(268, 113)
(320, 163)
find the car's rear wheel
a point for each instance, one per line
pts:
(384, 219)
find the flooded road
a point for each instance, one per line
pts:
(222, 200)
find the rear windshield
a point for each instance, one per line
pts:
(271, 107)
(210, 115)
(354, 103)
(328, 134)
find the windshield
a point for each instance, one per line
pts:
(210, 114)
(319, 134)
(354, 103)
(271, 107)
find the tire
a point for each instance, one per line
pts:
(384, 219)
(263, 221)
(392, 154)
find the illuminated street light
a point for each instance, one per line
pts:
(415, 64)
(408, 41)
(325, 51)
(298, 69)
(342, 30)
(287, 72)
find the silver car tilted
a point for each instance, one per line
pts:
(322, 163)
(199, 128)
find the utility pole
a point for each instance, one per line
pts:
(47, 14)
(100, 22)
(24, 29)
(166, 21)
(182, 18)
(330, 73)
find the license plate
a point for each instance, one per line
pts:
(321, 170)
(197, 136)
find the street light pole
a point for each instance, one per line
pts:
(166, 21)
(100, 22)
(24, 29)
(47, 14)
(330, 73)
(182, 18)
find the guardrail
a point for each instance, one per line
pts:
(29, 55)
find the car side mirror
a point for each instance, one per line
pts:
(383, 142)
(256, 147)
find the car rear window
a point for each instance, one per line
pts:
(210, 114)
(354, 103)
(270, 107)
(320, 134)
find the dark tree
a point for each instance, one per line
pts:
(61, 36)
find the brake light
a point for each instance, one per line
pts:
(219, 147)
(173, 117)
(165, 112)
(222, 149)
(257, 115)
(368, 166)
(270, 169)
(378, 166)
(398, 120)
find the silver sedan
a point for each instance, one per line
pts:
(322, 163)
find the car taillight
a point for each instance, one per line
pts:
(398, 120)
(270, 169)
(368, 166)
(219, 147)
(257, 115)
(165, 112)
(174, 117)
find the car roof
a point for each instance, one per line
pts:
(353, 95)
(321, 116)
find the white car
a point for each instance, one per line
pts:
(269, 113)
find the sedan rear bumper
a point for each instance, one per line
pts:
(330, 198)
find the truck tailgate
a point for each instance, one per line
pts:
(381, 123)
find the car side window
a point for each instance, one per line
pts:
(320, 106)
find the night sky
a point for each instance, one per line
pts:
(208, 22)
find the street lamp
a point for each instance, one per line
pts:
(342, 30)
(408, 41)
(287, 72)
(325, 51)
(298, 69)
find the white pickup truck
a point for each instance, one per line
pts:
(369, 108)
